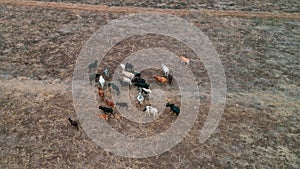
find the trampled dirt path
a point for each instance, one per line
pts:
(103, 8)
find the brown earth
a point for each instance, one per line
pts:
(39, 46)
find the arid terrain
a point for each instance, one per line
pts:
(258, 44)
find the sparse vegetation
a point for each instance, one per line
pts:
(260, 125)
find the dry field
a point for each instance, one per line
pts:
(258, 44)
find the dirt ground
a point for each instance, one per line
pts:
(260, 125)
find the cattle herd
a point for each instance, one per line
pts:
(130, 78)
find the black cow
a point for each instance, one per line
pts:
(107, 110)
(174, 108)
(142, 85)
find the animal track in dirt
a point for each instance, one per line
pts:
(103, 8)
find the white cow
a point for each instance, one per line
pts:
(102, 81)
(165, 69)
(151, 110)
(122, 66)
(128, 74)
(125, 79)
(140, 98)
(147, 90)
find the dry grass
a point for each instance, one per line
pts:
(39, 46)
